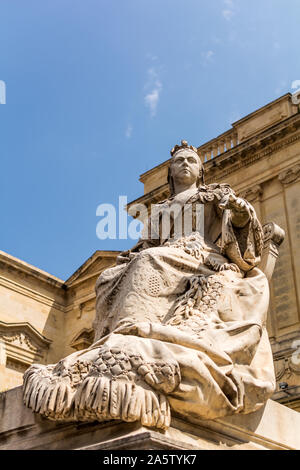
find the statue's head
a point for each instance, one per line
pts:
(185, 166)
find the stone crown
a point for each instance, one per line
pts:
(184, 145)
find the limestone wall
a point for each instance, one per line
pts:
(31, 315)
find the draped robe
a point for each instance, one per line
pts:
(180, 328)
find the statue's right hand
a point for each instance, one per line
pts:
(123, 257)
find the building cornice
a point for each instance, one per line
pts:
(252, 158)
(31, 293)
(254, 149)
(9, 261)
(242, 155)
(87, 264)
(262, 109)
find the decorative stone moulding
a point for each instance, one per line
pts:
(290, 175)
(22, 344)
(286, 366)
(252, 194)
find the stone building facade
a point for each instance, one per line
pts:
(43, 319)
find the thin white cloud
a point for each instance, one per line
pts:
(152, 57)
(216, 40)
(228, 14)
(128, 131)
(228, 11)
(209, 54)
(151, 100)
(207, 57)
(154, 87)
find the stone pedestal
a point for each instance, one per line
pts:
(273, 427)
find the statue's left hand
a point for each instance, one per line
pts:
(239, 209)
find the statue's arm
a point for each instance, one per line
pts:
(242, 236)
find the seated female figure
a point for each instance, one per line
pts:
(180, 320)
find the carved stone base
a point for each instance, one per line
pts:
(273, 427)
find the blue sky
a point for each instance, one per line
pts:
(98, 91)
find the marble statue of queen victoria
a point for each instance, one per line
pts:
(180, 322)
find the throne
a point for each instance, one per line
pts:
(273, 237)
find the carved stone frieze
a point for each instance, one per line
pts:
(23, 343)
(290, 175)
(21, 340)
(252, 194)
(286, 367)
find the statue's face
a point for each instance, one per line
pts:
(185, 167)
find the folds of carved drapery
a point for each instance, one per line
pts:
(216, 361)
